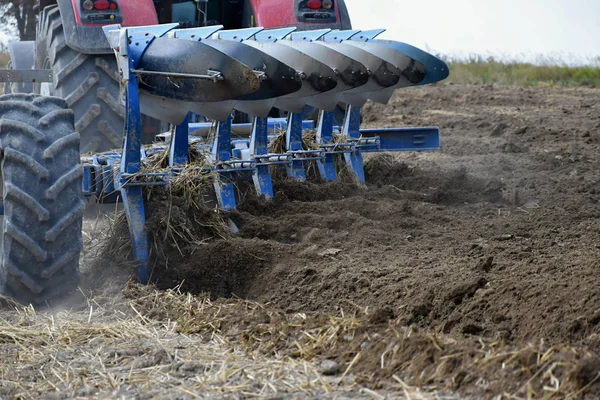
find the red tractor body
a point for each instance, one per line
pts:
(71, 42)
(134, 12)
(265, 13)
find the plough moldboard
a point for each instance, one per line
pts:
(173, 74)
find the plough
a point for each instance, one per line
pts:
(175, 74)
(253, 70)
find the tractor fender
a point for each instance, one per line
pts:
(89, 38)
(345, 21)
(22, 57)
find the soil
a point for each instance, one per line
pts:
(497, 235)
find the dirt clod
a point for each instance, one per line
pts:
(330, 367)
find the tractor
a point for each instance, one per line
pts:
(98, 66)
(71, 44)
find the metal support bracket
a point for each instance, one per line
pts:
(327, 168)
(351, 129)
(404, 139)
(259, 146)
(293, 143)
(179, 147)
(25, 75)
(221, 152)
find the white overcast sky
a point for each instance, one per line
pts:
(518, 28)
(567, 29)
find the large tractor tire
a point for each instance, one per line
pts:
(43, 200)
(88, 82)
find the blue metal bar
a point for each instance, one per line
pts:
(89, 180)
(133, 198)
(273, 125)
(130, 159)
(351, 126)
(309, 36)
(197, 34)
(259, 140)
(337, 36)
(259, 145)
(293, 142)
(273, 35)
(133, 202)
(239, 35)
(179, 153)
(351, 129)
(365, 36)
(223, 183)
(327, 168)
(222, 143)
(405, 139)
(354, 162)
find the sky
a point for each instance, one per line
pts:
(568, 29)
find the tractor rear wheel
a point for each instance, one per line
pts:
(43, 200)
(88, 82)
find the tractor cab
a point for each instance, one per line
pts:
(235, 14)
(189, 14)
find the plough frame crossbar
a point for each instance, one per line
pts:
(120, 175)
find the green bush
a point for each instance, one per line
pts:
(549, 72)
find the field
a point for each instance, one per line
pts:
(465, 273)
(547, 71)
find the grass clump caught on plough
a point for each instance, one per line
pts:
(309, 142)
(181, 211)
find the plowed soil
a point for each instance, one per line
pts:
(496, 236)
(472, 270)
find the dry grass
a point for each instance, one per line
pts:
(309, 138)
(167, 344)
(104, 353)
(180, 215)
(381, 354)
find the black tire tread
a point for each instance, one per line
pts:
(43, 200)
(88, 83)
